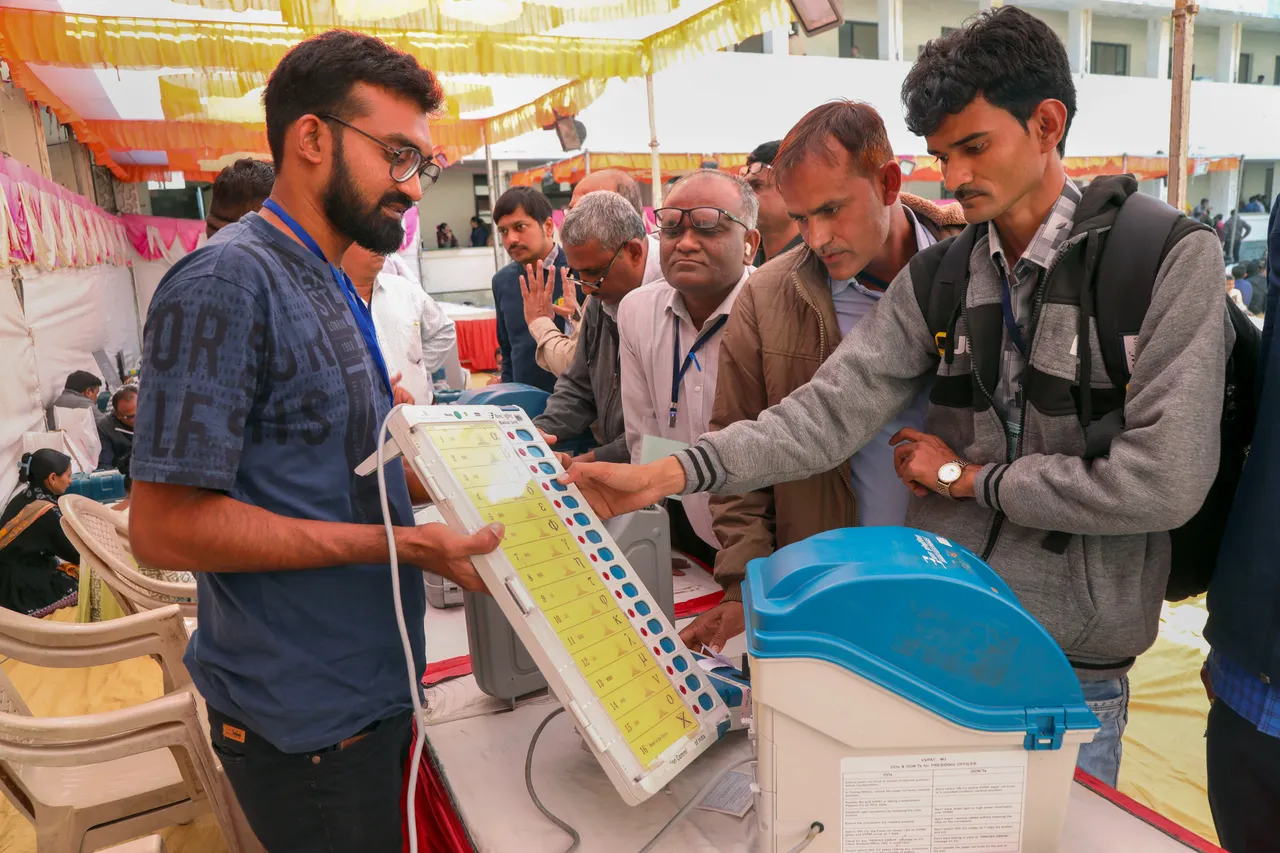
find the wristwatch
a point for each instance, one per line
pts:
(947, 476)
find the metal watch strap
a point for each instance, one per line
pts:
(945, 488)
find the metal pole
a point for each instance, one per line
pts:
(493, 184)
(1184, 36)
(586, 156)
(655, 165)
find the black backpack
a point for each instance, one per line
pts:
(1144, 231)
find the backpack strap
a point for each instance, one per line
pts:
(1117, 296)
(940, 275)
(1144, 232)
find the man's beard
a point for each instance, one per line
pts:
(368, 226)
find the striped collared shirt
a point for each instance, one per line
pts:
(1024, 279)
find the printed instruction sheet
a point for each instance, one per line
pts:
(964, 802)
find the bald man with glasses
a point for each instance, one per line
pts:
(670, 330)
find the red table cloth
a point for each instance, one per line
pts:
(477, 339)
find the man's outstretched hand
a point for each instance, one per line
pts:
(614, 489)
(438, 549)
(716, 627)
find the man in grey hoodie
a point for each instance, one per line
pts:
(1000, 466)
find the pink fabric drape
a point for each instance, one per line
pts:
(187, 231)
(410, 222)
(22, 249)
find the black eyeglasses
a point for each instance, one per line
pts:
(701, 218)
(599, 282)
(753, 169)
(405, 162)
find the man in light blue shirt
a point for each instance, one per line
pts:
(842, 187)
(881, 497)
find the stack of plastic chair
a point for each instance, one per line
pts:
(94, 780)
(101, 535)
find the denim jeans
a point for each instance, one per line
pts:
(340, 799)
(1109, 701)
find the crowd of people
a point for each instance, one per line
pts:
(1232, 230)
(800, 347)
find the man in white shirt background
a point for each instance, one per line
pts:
(415, 334)
(670, 330)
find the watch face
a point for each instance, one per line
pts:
(950, 472)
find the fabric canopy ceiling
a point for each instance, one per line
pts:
(179, 91)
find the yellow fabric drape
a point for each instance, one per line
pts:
(84, 42)
(250, 51)
(535, 17)
(88, 41)
(195, 96)
(716, 28)
(207, 140)
(468, 97)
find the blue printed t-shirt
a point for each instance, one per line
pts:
(257, 383)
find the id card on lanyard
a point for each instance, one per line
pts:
(361, 312)
(678, 368)
(1013, 418)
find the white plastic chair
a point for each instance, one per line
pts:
(101, 535)
(90, 781)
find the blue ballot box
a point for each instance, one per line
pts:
(900, 693)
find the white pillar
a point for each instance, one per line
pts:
(1079, 38)
(1158, 44)
(778, 41)
(890, 21)
(1229, 38)
(1224, 192)
(655, 161)
(490, 178)
(505, 169)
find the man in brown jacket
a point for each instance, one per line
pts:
(841, 184)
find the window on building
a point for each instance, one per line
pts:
(752, 44)
(860, 39)
(480, 187)
(1109, 58)
(1244, 71)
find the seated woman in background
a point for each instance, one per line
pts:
(32, 541)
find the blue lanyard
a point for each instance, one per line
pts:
(360, 311)
(677, 373)
(1006, 305)
(869, 281)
